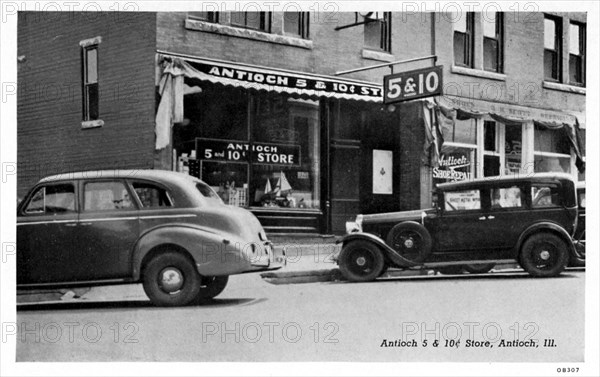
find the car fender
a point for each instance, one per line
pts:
(388, 251)
(206, 247)
(546, 226)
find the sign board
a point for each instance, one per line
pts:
(382, 171)
(242, 151)
(406, 86)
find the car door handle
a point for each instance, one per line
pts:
(491, 217)
(85, 224)
(71, 224)
(482, 218)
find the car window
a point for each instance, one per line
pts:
(106, 196)
(506, 197)
(462, 200)
(52, 199)
(152, 196)
(582, 199)
(208, 192)
(544, 196)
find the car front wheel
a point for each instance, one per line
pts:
(171, 279)
(544, 255)
(361, 261)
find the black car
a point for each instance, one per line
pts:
(579, 237)
(473, 225)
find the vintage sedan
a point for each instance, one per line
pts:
(473, 225)
(579, 237)
(168, 230)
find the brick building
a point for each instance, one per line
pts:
(251, 103)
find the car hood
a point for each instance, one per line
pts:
(415, 215)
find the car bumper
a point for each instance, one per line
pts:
(269, 258)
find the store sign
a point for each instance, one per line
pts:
(448, 168)
(257, 153)
(292, 81)
(405, 86)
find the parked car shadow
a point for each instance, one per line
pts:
(127, 305)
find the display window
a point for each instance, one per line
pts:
(552, 151)
(254, 149)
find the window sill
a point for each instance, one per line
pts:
(377, 55)
(91, 124)
(478, 73)
(247, 34)
(564, 87)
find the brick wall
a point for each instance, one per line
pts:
(49, 115)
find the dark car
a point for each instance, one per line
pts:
(473, 225)
(168, 230)
(579, 237)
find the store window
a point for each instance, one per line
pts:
(464, 38)
(513, 149)
(552, 48)
(252, 20)
(577, 53)
(458, 160)
(552, 151)
(296, 23)
(378, 32)
(493, 41)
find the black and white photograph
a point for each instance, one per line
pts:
(299, 188)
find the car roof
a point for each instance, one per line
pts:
(507, 178)
(164, 176)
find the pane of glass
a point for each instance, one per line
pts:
(550, 68)
(491, 166)
(455, 164)
(512, 149)
(36, 205)
(582, 199)
(489, 24)
(229, 180)
(549, 34)
(489, 136)
(509, 197)
(291, 23)
(544, 164)
(151, 196)
(459, 48)
(462, 200)
(373, 32)
(106, 196)
(253, 20)
(53, 199)
(575, 69)
(544, 196)
(548, 140)
(490, 55)
(238, 18)
(460, 21)
(465, 131)
(207, 192)
(92, 101)
(574, 39)
(91, 65)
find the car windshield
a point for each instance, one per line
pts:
(208, 192)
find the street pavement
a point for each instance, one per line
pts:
(386, 320)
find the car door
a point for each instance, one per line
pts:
(108, 230)
(47, 234)
(507, 215)
(460, 225)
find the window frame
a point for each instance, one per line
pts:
(265, 22)
(582, 52)
(44, 213)
(212, 17)
(499, 39)
(86, 85)
(469, 44)
(558, 41)
(385, 33)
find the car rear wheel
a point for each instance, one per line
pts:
(361, 261)
(544, 255)
(171, 279)
(479, 268)
(411, 240)
(211, 286)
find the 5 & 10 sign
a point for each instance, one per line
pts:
(405, 86)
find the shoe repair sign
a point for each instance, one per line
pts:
(405, 86)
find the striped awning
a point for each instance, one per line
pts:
(295, 84)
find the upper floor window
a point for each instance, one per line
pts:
(493, 41)
(552, 48)
(205, 16)
(90, 83)
(296, 23)
(252, 20)
(464, 38)
(378, 32)
(577, 53)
